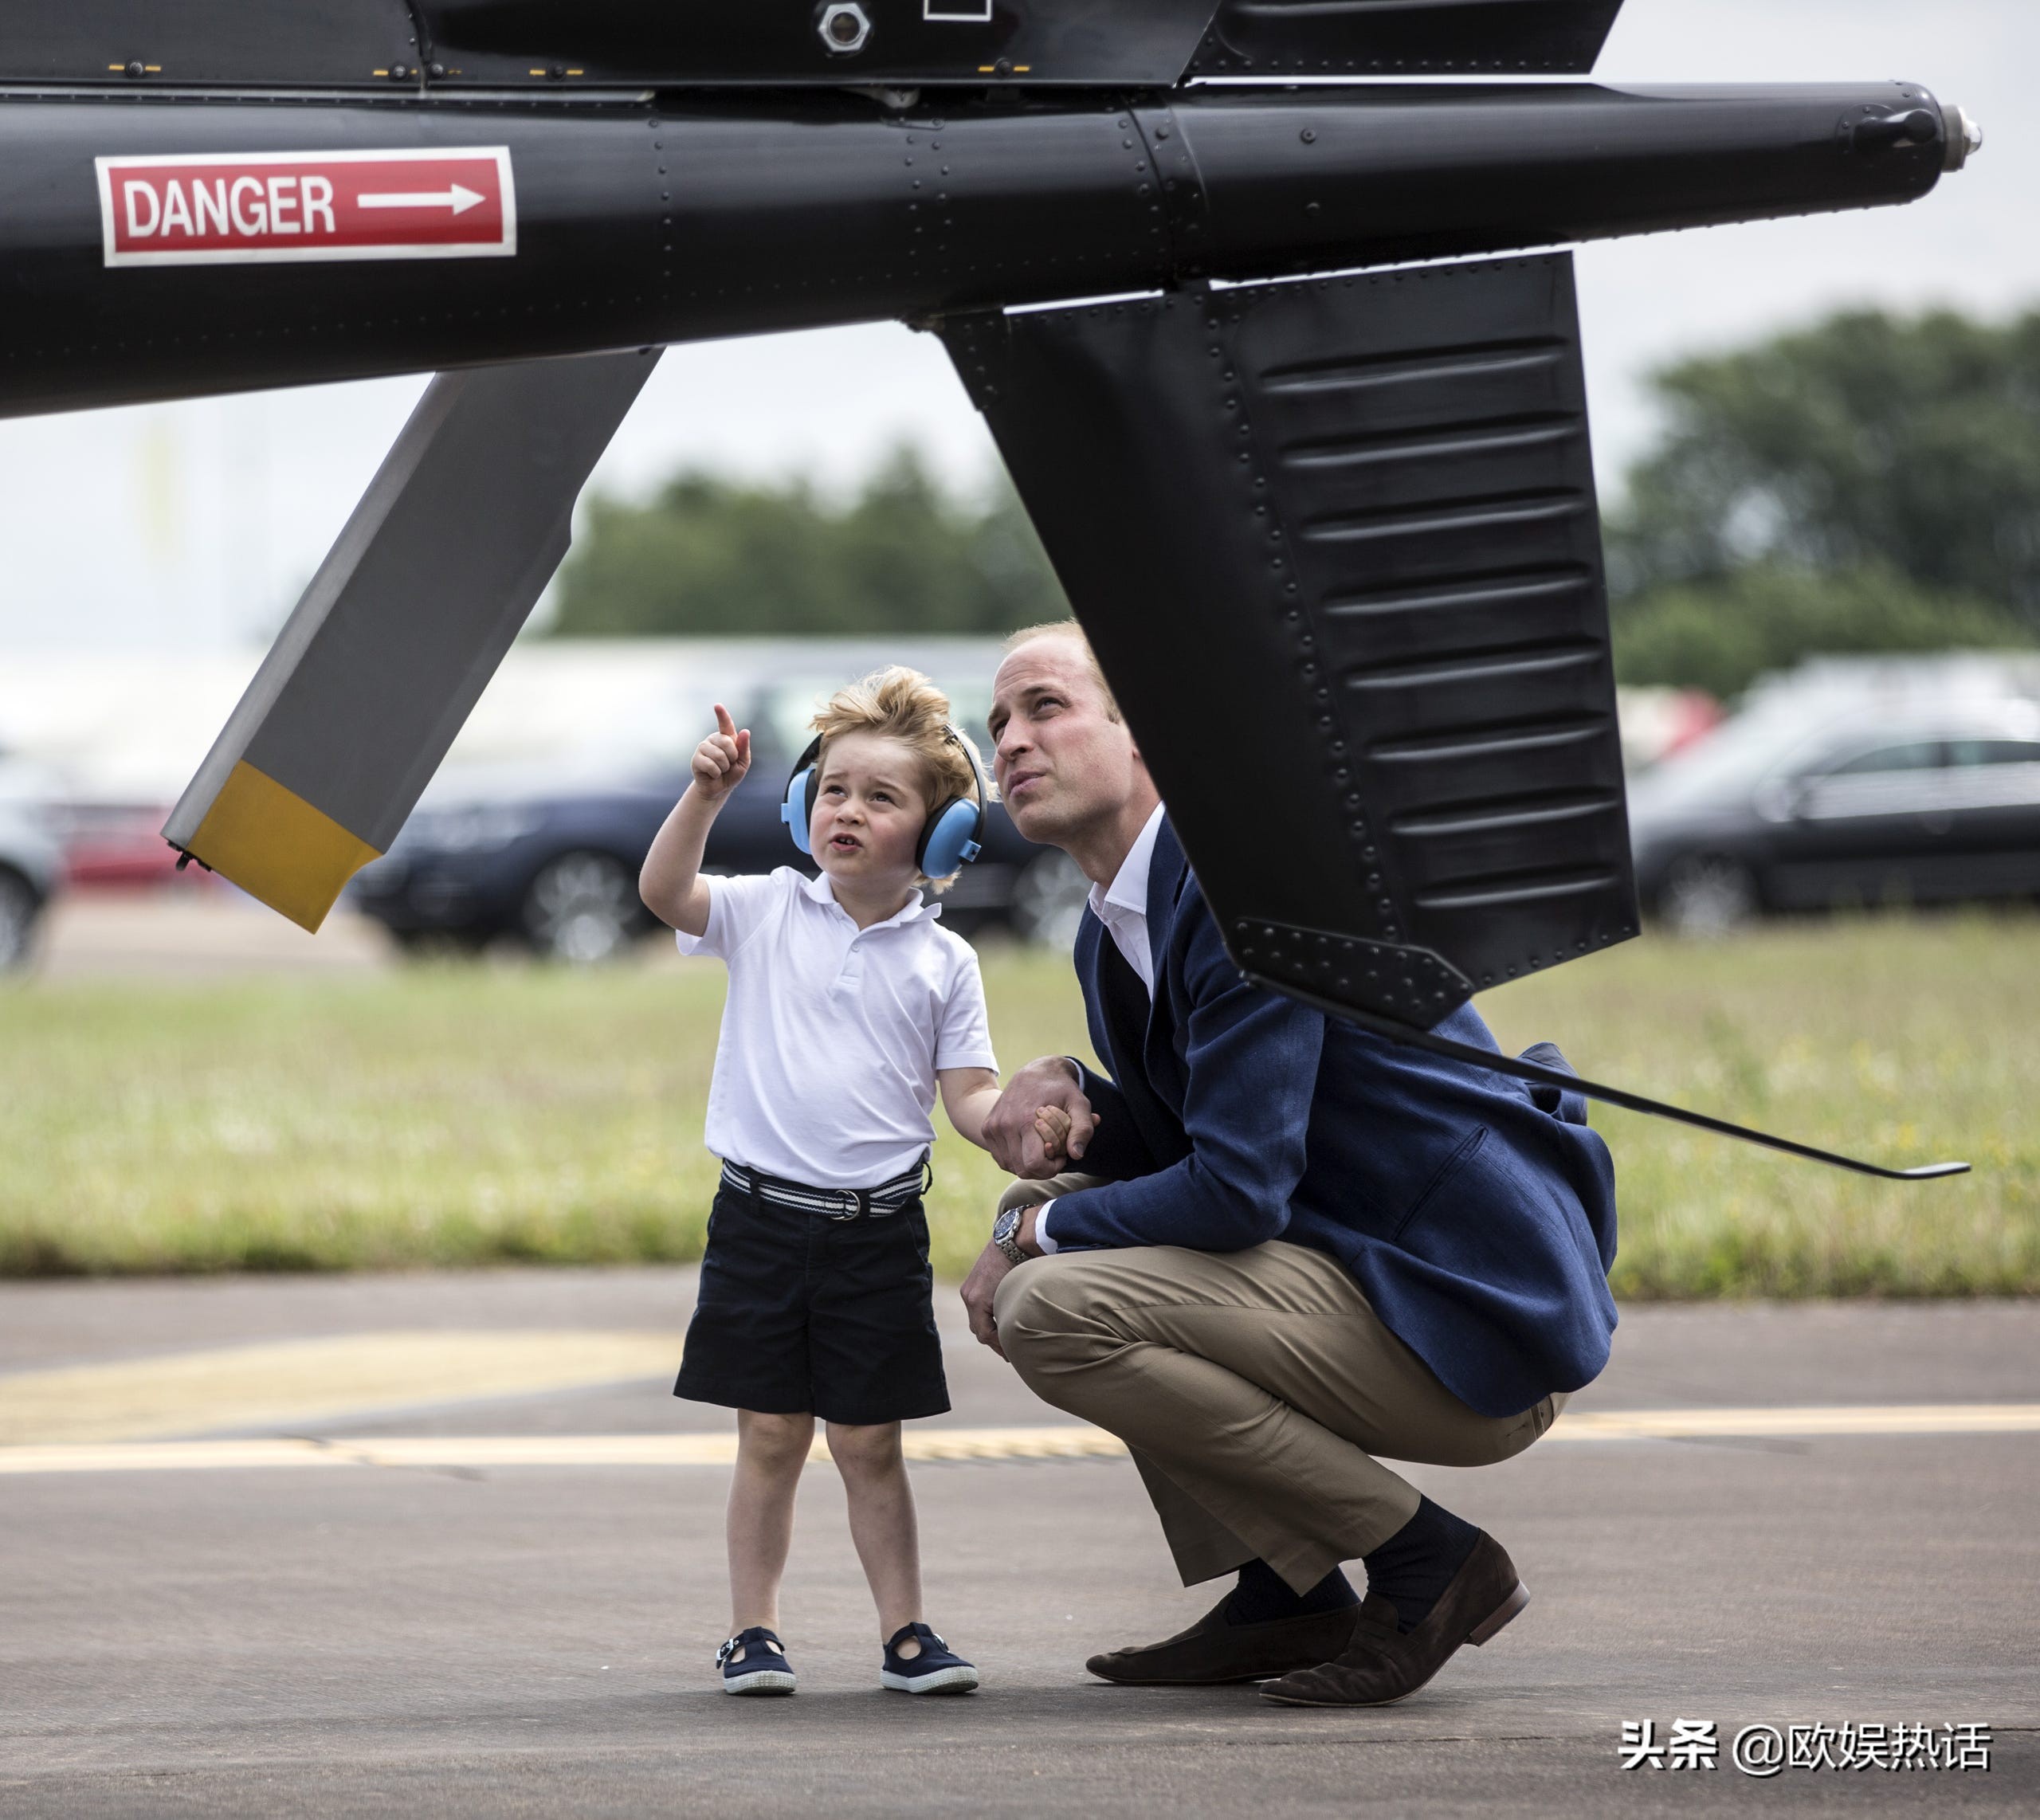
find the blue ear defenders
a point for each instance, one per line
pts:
(954, 833)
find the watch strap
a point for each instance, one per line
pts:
(1006, 1234)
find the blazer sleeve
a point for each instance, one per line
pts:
(1251, 1060)
(1117, 1150)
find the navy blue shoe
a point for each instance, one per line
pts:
(761, 1669)
(936, 1670)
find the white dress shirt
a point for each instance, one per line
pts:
(1122, 907)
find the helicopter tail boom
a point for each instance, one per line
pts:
(159, 248)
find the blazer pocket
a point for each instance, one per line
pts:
(1447, 1171)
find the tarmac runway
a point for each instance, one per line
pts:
(470, 1570)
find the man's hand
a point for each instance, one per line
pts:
(978, 1289)
(1017, 1141)
(722, 758)
(982, 1285)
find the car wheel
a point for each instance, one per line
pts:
(19, 907)
(582, 907)
(1706, 894)
(1048, 901)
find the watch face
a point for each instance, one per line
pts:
(1006, 1226)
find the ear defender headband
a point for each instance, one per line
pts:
(953, 834)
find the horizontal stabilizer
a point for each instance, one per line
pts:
(815, 43)
(252, 43)
(1405, 38)
(581, 44)
(1337, 546)
(401, 629)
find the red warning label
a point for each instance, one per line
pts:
(215, 209)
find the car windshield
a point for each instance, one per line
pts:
(1914, 756)
(1735, 757)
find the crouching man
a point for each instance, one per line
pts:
(1294, 1249)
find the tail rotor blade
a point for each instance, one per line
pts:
(401, 629)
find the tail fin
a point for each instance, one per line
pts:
(1351, 522)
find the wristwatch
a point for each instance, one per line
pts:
(1006, 1234)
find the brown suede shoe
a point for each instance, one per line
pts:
(1381, 1666)
(1211, 1651)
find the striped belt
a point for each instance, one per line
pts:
(875, 1203)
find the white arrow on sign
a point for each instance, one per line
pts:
(456, 197)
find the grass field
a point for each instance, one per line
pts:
(472, 1115)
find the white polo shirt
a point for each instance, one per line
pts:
(825, 1069)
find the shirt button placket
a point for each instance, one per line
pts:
(850, 976)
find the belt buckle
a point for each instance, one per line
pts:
(847, 1199)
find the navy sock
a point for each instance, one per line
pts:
(1413, 1566)
(1262, 1596)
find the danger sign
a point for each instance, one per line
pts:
(215, 209)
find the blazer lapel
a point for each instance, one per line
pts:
(1166, 870)
(1133, 1031)
(1167, 873)
(1116, 1003)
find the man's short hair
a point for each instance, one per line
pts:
(899, 704)
(1070, 630)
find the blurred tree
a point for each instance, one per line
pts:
(1866, 439)
(709, 555)
(1721, 634)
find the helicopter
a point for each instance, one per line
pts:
(1268, 304)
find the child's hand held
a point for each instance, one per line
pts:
(1052, 1126)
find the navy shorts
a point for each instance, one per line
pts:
(800, 1313)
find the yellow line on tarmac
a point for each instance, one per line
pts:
(303, 1382)
(1813, 1422)
(1071, 1442)
(474, 1451)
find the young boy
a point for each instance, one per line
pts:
(849, 1005)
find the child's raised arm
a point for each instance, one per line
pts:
(670, 882)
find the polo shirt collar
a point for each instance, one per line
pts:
(822, 891)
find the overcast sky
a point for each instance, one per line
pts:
(193, 526)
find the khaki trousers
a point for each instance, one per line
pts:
(1255, 1389)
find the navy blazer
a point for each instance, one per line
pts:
(1479, 1222)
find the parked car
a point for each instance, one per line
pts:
(119, 846)
(1810, 803)
(549, 855)
(30, 860)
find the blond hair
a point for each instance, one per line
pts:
(901, 704)
(1070, 630)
